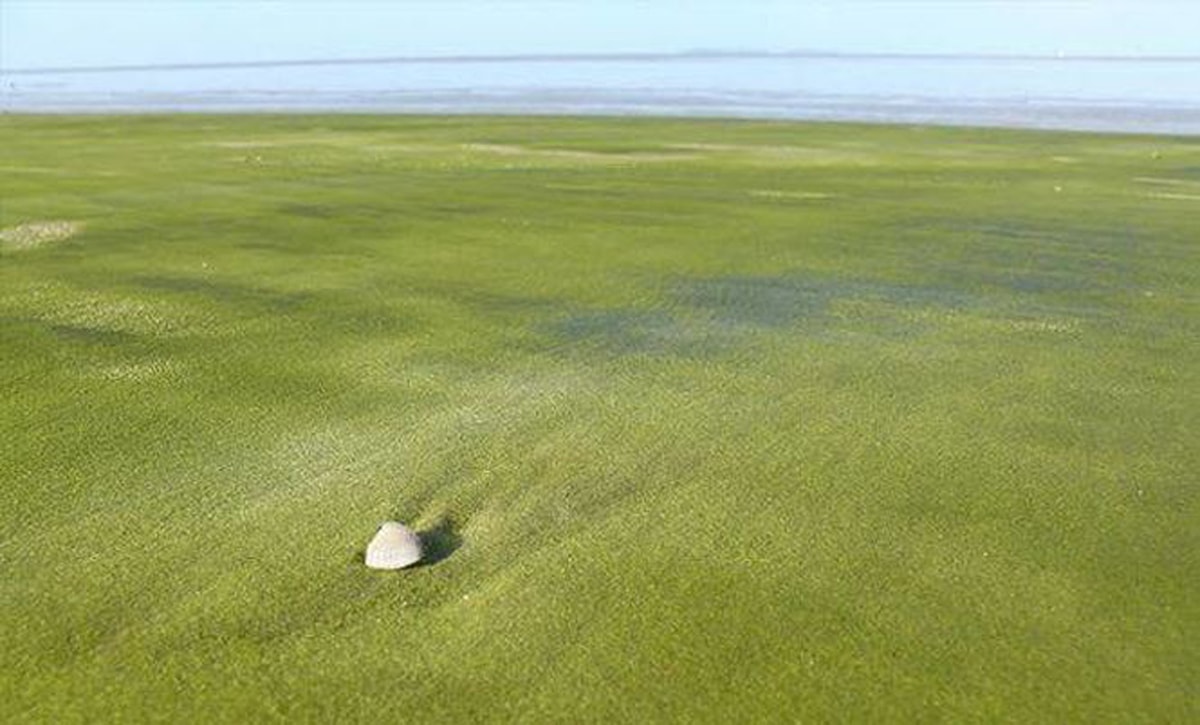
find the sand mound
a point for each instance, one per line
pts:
(35, 234)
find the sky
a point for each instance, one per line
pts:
(57, 33)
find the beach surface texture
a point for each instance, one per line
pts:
(695, 420)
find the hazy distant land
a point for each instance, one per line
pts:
(1156, 94)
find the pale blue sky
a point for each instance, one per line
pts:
(39, 33)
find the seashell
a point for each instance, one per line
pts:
(394, 546)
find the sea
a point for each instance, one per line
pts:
(1125, 95)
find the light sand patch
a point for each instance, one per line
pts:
(35, 234)
(137, 372)
(813, 155)
(780, 194)
(1176, 197)
(491, 148)
(517, 150)
(752, 148)
(342, 141)
(1064, 159)
(48, 171)
(1043, 326)
(407, 148)
(576, 187)
(89, 312)
(748, 148)
(960, 320)
(30, 170)
(245, 144)
(1158, 181)
(711, 147)
(102, 312)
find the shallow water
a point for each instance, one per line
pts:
(1161, 96)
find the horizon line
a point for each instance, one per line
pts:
(678, 56)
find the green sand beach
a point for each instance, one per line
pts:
(700, 421)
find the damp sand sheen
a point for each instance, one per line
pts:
(687, 420)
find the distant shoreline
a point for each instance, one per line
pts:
(1146, 94)
(1057, 115)
(686, 56)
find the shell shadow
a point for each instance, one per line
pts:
(439, 542)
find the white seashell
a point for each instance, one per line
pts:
(394, 546)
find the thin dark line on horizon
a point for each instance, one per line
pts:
(685, 56)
